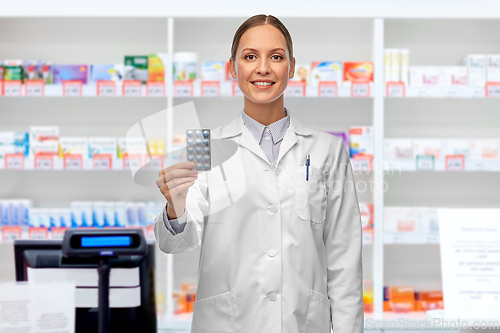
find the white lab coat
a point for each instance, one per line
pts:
(279, 253)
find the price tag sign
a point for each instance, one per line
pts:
(422, 92)
(14, 161)
(362, 162)
(35, 88)
(44, 162)
(155, 89)
(1, 87)
(236, 89)
(452, 92)
(425, 162)
(360, 89)
(10, 234)
(132, 88)
(106, 88)
(73, 162)
(156, 163)
(72, 88)
(12, 88)
(493, 89)
(183, 88)
(210, 88)
(102, 162)
(150, 232)
(58, 232)
(296, 89)
(432, 239)
(395, 89)
(38, 233)
(133, 162)
(455, 162)
(367, 238)
(327, 89)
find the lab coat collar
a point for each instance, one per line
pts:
(246, 139)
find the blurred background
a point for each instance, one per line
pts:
(410, 86)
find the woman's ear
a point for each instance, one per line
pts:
(232, 68)
(291, 73)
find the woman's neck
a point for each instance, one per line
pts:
(265, 113)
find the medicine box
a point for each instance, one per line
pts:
(455, 147)
(361, 141)
(424, 76)
(427, 147)
(74, 146)
(398, 149)
(70, 73)
(483, 149)
(302, 74)
(213, 71)
(493, 68)
(452, 76)
(103, 146)
(357, 72)
(326, 71)
(476, 68)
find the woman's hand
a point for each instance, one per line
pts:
(174, 183)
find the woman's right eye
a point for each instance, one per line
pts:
(250, 55)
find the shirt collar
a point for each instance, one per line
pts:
(277, 129)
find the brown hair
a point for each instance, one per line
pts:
(257, 20)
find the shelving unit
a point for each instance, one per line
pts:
(100, 33)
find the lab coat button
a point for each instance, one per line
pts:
(273, 209)
(272, 253)
(272, 296)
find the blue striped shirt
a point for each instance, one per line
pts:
(268, 137)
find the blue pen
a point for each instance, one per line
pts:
(308, 162)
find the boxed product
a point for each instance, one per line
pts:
(44, 140)
(140, 65)
(398, 149)
(98, 214)
(185, 66)
(14, 212)
(428, 300)
(455, 147)
(452, 76)
(405, 66)
(361, 141)
(74, 146)
(493, 68)
(100, 72)
(343, 136)
(358, 72)
(45, 71)
(395, 65)
(366, 211)
(153, 208)
(156, 67)
(44, 218)
(483, 149)
(13, 70)
(213, 71)
(81, 214)
(141, 214)
(326, 71)
(109, 214)
(367, 296)
(399, 299)
(427, 147)
(387, 65)
(401, 219)
(120, 214)
(14, 143)
(60, 218)
(156, 146)
(70, 73)
(424, 76)
(302, 74)
(132, 215)
(103, 146)
(476, 68)
(30, 70)
(427, 219)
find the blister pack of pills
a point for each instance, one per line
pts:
(199, 148)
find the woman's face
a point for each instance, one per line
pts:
(262, 64)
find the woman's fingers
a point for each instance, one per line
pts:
(174, 182)
(179, 188)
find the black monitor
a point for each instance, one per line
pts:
(132, 284)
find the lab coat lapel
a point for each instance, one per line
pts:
(291, 137)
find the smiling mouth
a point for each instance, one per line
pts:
(263, 84)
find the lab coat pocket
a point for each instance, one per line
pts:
(214, 314)
(318, 314)
(310, 195)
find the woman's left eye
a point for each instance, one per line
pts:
(277, 55)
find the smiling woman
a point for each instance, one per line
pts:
(283, 254)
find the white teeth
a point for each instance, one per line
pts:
(262, 83)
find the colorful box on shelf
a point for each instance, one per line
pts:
(399, 299)
(421, 220)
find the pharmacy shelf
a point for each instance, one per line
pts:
(411, 238)
(442, 92)
(492, 165)
(196, 89)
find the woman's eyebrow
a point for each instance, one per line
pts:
(257, 51)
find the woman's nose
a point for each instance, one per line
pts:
(263, 67)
